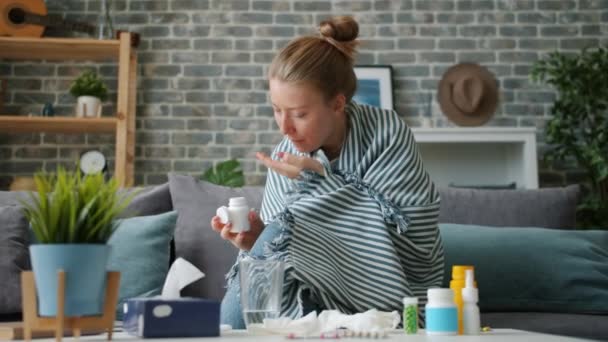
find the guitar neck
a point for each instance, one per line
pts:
(58, 22)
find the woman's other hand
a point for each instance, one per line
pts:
(291, 165)
(243, 240)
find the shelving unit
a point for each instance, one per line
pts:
(122, 125)
(480, 155)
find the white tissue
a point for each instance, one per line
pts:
(181, 274)
(369, 322)
(305, 326)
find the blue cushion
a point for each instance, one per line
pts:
(140, 251)
(532, 269)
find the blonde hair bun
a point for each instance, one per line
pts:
(340, 28)
(325, 61)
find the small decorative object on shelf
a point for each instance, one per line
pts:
(48, 110)
(93, 161)
(105, 27)
(90, 91)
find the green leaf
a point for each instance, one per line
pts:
(227, 173)
(89, 83)
(578, 127)
(72, 208)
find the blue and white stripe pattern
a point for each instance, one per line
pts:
(365, 235)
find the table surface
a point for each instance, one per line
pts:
(497, 335)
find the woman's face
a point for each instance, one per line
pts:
(303, 114)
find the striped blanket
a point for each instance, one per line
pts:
(364, 235)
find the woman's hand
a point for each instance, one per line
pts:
(290, 165)
(243, 240)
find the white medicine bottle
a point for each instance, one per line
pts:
(441, 312)
(471, 320)
(237, 213)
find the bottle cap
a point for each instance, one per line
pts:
(470, 294)
(458, 271)
(410, 301)
(222, 213)
(440, 295)
(238, 201)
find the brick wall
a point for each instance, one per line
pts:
(202, 95)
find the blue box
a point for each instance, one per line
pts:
(182, 317)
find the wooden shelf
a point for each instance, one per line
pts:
(25, 124)
(58, 49)
(21, 48)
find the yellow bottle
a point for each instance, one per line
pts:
(457, 284)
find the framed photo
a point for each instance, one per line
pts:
(374, 85)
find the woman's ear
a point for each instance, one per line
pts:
(338, 103)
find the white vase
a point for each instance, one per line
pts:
(88, 107)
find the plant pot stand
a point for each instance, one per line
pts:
(31, 320)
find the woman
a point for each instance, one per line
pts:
(347, 204)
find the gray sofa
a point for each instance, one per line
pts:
(196, 201)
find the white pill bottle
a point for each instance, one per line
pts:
(441, 313)
(237, 213)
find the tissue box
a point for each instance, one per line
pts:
(181, 317)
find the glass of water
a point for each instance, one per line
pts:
(261, 289)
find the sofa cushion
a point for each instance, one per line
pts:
(13, 257)
(140, 251)
(532, 269)
(151, 200)
(196, 202)
(547, 207)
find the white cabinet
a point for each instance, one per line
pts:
(479, 156)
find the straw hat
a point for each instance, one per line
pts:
(468, 94)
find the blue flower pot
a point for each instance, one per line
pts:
(85, 268)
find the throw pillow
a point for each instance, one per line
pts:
(196, 202)
(532, 269)
(14, 257)
(149, 200)
(140, 251)
(511, 208)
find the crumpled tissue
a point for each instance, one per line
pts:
(311, 325)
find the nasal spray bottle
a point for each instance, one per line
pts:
(471, 321)
(457, 284)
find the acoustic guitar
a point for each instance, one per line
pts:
(29, 18)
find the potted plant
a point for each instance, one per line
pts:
(578, 129)
(227, 173)
(72, 217)
(89, 91)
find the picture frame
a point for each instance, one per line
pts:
(374, 86)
